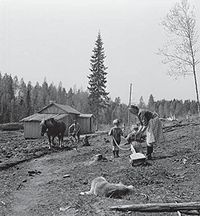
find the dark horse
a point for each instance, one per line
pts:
(53, 128)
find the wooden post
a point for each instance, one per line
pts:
(160, 207)
(129, 103)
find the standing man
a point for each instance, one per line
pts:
(151, 124)
(74, 130)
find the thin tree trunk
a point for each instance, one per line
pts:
(194, 73)
(97, 120)
(129, 104)
(196, 88)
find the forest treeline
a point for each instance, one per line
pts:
(19, 99)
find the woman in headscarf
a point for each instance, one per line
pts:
(151, 124)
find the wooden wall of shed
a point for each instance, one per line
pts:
(84, 125)
(87, 125)
(66, 120)
(93, 125)
(32, 130)
(72, 117)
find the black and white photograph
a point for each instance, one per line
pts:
(99, 107)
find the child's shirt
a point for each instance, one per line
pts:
(74, 128)
(116, 132)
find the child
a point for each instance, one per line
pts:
(134, 140)
(74, 130)
(132, 135)
(116, 133)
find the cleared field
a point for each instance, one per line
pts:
(37, 181)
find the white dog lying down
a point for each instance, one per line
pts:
(101, 187)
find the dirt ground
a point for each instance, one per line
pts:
(36, 181)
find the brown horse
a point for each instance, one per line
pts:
(53, 128)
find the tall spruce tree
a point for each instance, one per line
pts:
(151, 103)
(28, 99)
(141, 104)
(97, 79)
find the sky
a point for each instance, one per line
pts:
(54, 39)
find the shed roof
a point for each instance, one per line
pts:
(86, 115)
(65, 108)
(39, 117)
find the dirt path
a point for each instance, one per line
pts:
(32, 192)
(37, 180)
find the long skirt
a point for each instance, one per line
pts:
(154, 132)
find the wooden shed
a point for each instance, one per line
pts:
(65, 113)
(32, 128)
(54, 108)
(87, 123)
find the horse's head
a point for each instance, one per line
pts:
(43, 127)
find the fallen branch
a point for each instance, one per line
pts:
(159, 207)
(178, 125)
(191, 212)
(11, 126)
(14, 162)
